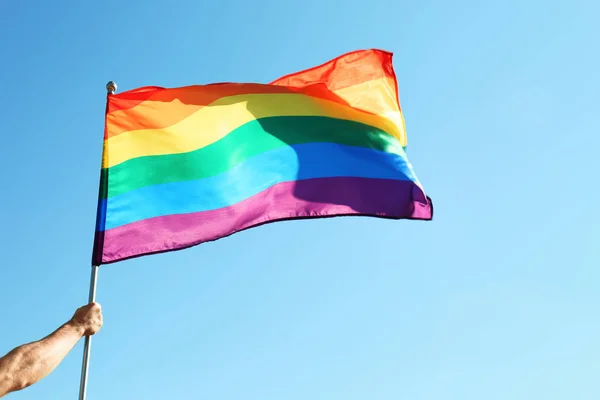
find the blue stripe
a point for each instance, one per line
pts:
(284, 164)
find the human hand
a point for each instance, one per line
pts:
(88, 318)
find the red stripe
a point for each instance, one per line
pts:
(344, 71)
(341, 72)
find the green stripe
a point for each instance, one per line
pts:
(248, 140)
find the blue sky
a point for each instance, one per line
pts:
(497, 298)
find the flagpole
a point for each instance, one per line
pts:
(111, 88)
(88, 339)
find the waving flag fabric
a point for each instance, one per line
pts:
(183, 166)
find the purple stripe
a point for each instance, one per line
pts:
(312, 198)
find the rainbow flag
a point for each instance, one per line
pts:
(187, 165)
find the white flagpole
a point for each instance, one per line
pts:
(88, 339)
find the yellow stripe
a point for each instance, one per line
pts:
(215, 121)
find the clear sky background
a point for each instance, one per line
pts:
(497, 298)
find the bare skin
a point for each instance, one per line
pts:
(29, 363)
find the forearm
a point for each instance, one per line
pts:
(31, 362)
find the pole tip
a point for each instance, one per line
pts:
(111, 87)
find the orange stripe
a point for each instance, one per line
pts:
(375, 97)
(171, 106)
(165, 107)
